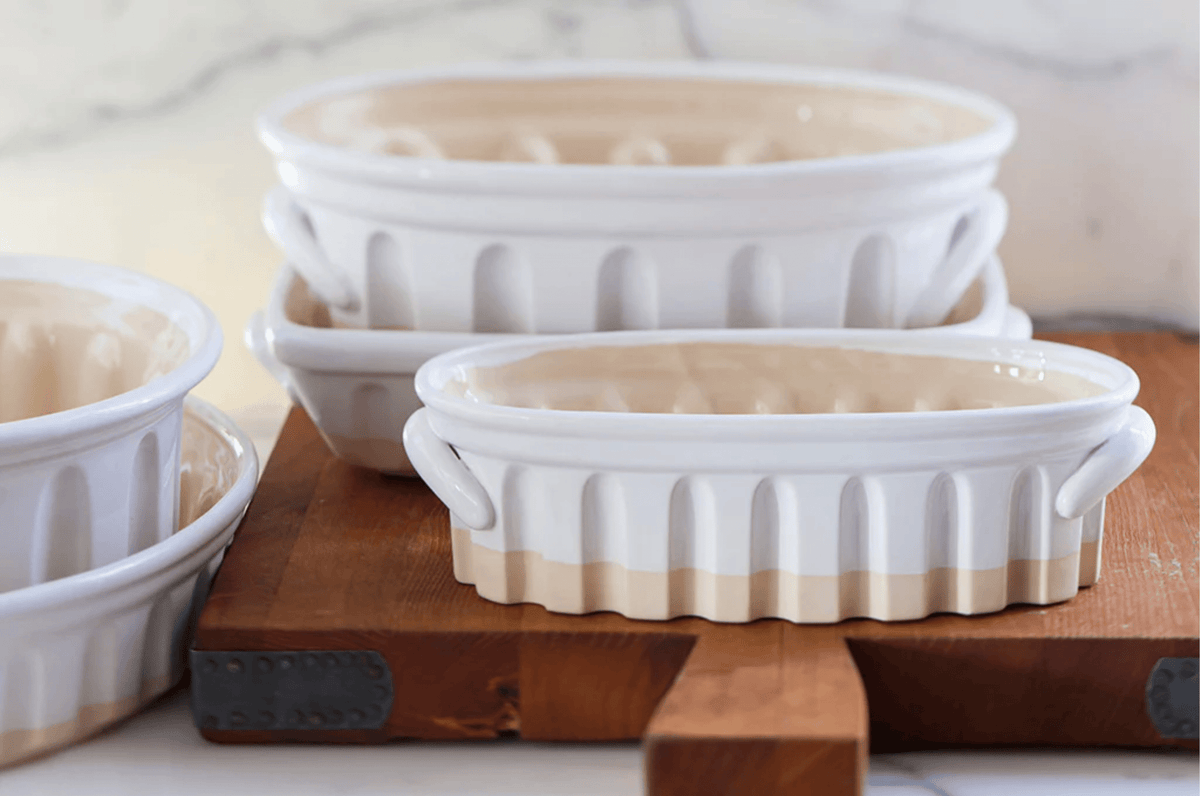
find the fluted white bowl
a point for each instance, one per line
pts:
(84, 651)
(435, 242)
(95, 362)
(812, 517)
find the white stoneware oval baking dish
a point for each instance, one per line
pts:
(813, 517)
(591, 196)
(83, 652)
(357, 384)
(94, 365)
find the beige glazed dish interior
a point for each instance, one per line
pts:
(208, 468)
(64, 347)
(630, 121)
(744, 378)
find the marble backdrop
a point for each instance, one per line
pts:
(126, 125)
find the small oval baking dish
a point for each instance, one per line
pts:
(95, 362)
(807, 475)
(593, 196)
(83, 652)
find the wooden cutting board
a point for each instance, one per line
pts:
(335, 558)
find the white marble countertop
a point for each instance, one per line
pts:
(160, 753)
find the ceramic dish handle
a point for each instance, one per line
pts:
(292, 233)
(964, 261)
(1107, 466)
(1017, 324)
(444, 473)
(255, 338)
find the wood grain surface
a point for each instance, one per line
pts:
(335, 557)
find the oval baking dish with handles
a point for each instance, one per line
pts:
(429, 241)
(809, 517)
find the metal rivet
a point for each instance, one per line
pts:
(287, 663)
(1187, 670)
(1163, 677)
(237, 718)
(380, 692)
(373, 711)
(311, 661)
(209, 667)
(263, 665)
(374, 672)
(234, 666)
(1184, 728)
(266, 717)
(356, 716)
(316, 718)
(329, 659)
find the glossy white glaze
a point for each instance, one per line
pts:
(91, 483)
(808, 517)
(84, 651)
(357, 384)
(880, 239)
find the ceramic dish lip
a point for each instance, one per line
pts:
(783, 428)
(531, 178)
(81, 421)
(359, 350)
(379, 350)
(184, 543)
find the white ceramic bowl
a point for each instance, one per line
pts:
(429, 239)
(810, 517)
(95, 363)
(84, 651)
(357, 384)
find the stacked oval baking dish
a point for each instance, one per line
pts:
(422, 212)
(551, 198)
(117, 493)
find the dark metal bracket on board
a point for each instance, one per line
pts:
(295, 690)
(1173, 697)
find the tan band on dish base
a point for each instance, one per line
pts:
(527, 577)
(17, 745)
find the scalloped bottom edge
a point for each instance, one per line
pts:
(527, 577)
(20, 744)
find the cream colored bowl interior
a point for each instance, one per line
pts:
(64, 347)
(746, 378)
(208, 468)
(627, 120)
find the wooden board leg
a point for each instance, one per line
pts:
(778, 713)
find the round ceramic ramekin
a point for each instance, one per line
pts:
(808, 517)
(85, 651)
(885, 239)
(357, 384)
(95, 362)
